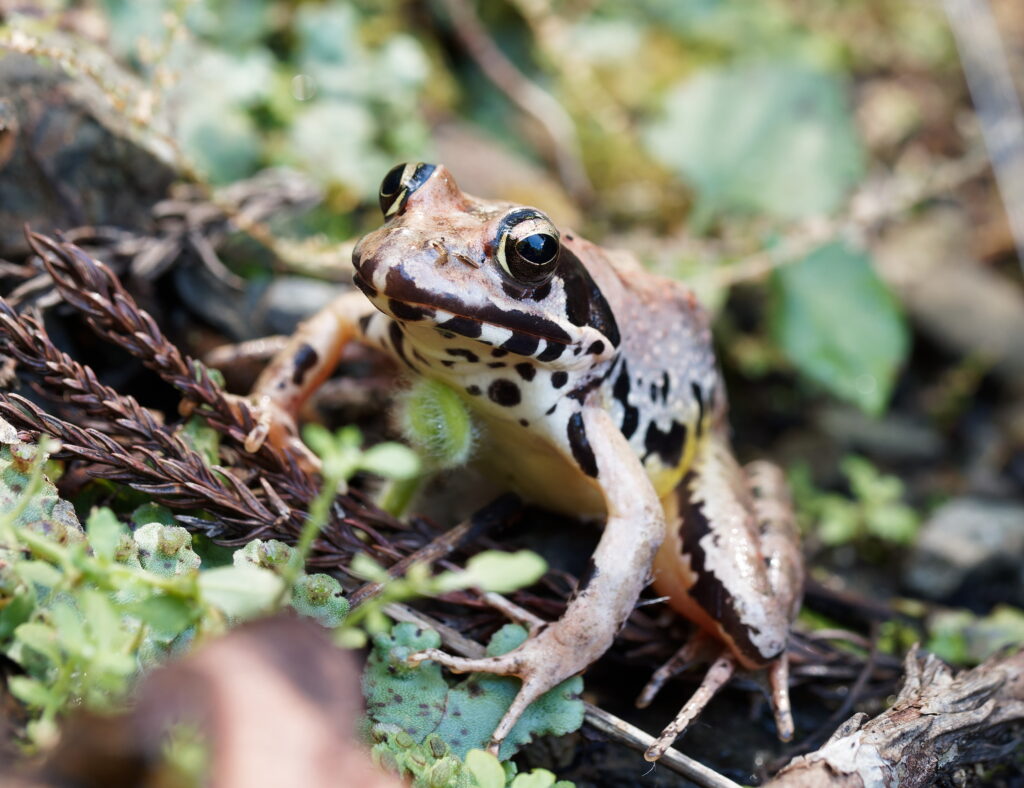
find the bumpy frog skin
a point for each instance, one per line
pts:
(597, 389)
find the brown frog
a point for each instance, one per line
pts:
(597, 389)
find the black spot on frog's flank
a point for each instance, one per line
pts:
(654, 392)
(667, 445)
(305, 359)
(551, 410)
(526, 370)
(580, 445)
(398, 340)
(596, 349)
(499, 352)
(504, 392)
(584, 303)
(469, 355)
(521, 344)
(446, 363)
(496, 364)
(708, 592)
(364, 323)
(473, 390)
(412, 312)
(559, 378)
(524, 423)
(666, 384)
(551, 352)
(446, 334)
(568, 236)
(462, 325)
(630, 413)
(588, 576)
(698, 394)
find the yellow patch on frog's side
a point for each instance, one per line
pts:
(666, 479)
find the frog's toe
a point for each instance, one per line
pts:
(504, 665)
(778, 683)
(717, 676)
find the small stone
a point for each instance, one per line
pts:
(965, 536)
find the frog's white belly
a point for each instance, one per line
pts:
(529, 463)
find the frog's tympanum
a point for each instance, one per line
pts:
(597, 391)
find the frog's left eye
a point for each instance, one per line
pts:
(528, 246)
(401, 181)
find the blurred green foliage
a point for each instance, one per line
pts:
(874, 509)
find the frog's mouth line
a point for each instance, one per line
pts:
(423, 306)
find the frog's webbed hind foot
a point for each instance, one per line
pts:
(531, 667)
(718, 676)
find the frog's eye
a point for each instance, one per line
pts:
(528, 246)
(401, 181)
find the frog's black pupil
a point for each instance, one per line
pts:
(539, 248)
(392, 181)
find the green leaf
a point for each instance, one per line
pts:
(165, 615)
(838, 324)
(105, 532)
(241, 591)
(15, 613)
(493, 570)
(153, 513)
(485, 769)
(774, 137)
(391, 460)
(536, 778)
(41, 638)
(39, 573)
(31, 692)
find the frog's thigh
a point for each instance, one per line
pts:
(712, 565)
(780, 536)
(313, 352)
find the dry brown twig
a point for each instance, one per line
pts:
(939, 722)
(265, 495)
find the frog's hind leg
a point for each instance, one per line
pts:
(722, 566)
(780, 541)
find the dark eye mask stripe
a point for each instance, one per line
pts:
(399, 287)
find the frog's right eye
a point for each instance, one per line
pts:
(401, 181)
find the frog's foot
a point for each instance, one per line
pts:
(677, 663)
(717, 677)
(275, 425)
(539, 670)
(778, 694)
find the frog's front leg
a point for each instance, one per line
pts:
(620, 569)
(296, 371)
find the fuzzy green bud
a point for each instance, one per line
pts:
(438, 423)
(319, 596)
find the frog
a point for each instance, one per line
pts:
(598, 394)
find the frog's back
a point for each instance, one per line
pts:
(663, 389)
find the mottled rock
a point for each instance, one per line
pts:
(967, 537)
